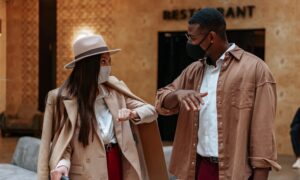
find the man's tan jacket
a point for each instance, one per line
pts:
(246, 106)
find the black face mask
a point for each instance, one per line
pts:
(195, 51)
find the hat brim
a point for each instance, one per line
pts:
(71, 64)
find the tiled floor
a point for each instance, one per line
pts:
(7, 146)
(287, 172)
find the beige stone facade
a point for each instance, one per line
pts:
(22, 53)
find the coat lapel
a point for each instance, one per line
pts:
(72, 109)
(66, 133)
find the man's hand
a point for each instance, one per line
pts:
(58, 172)
(126, 114)
(190, 99)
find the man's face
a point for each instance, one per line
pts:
(105, 59)
(198, 35)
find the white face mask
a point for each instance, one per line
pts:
(104, 74)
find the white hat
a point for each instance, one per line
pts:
(89, 46)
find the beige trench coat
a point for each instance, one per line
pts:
(90, 162)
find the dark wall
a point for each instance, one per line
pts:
(47, 49)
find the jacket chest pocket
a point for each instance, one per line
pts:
(243, 96)
(76, 169)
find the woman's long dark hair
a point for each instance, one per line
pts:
(83, 85)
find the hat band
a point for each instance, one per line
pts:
(93, 51)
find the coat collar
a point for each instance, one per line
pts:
(121, 87)
(66, 132)
(72, 109)
(71, 106)
(237, 52)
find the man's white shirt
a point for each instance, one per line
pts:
(208, 126)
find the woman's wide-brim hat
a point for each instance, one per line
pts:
(89, 46)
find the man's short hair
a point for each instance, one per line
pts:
(210, 19)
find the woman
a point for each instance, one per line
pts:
(86, 130)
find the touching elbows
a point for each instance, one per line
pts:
(146, 113)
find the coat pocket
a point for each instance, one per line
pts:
(243, 96)
(76, 169)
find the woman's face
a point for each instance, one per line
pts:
(105, 59)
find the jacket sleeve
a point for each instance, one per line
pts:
(43, 158)
(163, 92)
(66, 158)
(145, 111)
(262, 152)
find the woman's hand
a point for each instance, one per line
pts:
(58, 172)
(126, 114)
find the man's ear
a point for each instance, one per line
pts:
(212, 36)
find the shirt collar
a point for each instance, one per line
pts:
(220, 60)
(231, 47)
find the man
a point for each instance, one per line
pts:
(226, 103)
(295, 132)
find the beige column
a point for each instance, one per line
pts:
(2, 55)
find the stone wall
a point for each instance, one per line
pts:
(3, 56)
(22, 53)
(78, 18)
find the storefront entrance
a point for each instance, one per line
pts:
(172, 59)
(47, 49)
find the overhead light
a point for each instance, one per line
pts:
(83, 32)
